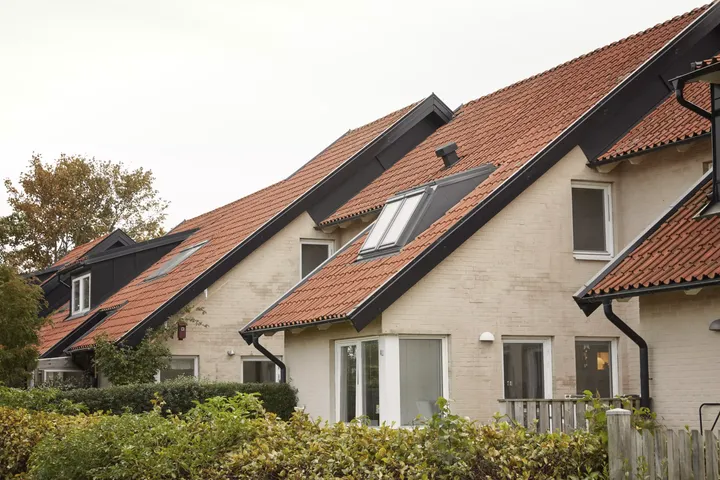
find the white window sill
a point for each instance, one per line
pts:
(599, 257)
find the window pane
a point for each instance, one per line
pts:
(421, 378)
(76, 296)
(169, 265)
(524, 370)
(262, 371)
(401, 220)
(348, 381)
(179, 367)
(381, 225)
(593, 367)
(312, 256)
(371, 381)
(86, 293)
(588, 211)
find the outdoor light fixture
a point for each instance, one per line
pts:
(715, 325)
(487, 337)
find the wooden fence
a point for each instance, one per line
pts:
(558, 415)
(663, 454)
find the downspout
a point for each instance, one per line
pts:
(644, 356)
(271, 357)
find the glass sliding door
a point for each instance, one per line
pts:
(358, 381)
(526, 367)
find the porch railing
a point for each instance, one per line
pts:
(557, 415)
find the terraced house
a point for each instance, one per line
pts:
(431, 252)
(462, 287)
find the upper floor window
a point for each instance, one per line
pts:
(176, 260)
(394, 220)
(592, 221)
(80, 294)
(313, 253)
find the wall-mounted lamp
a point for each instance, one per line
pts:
(231, 353)
(715, 326)
(487, 337)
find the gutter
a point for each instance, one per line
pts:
(271, 357)
(644, 356)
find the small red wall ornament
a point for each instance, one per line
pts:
(182, 331)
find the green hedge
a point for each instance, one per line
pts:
(21, 430)
(179, 396)
(233, 438)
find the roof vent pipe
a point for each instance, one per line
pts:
(448, 154)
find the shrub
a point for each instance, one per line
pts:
(43, 399)
(234, 438)
(21, 430)
(179, 396)
(149, 445)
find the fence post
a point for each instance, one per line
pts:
(621, 442)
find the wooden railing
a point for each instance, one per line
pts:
(557, 415)
(662, 454)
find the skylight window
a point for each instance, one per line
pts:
(393, 222)
(170, 265)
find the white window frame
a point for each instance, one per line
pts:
(79, 280)
(546, 343)
(316, 241)
(389, 374)
(196, 365)
(614, 359)
(609, 233)
(257, 358)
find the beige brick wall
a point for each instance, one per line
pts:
(241, 294)
(684, 354)
(516, 277)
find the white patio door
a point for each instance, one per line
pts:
(357, 377)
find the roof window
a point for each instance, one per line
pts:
(170, 265)
(391, 226)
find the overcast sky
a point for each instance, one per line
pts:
(221, 98)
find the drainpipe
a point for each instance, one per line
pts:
(644, 357)
(271, 357)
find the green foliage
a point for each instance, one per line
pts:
(234, 438)
(150, 446)
(73, 200)
(20, 304)
(641, 418)
(21, 430)
(39, 399)
(179, 396)
(125, 365)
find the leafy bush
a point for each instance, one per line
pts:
(21, 430)
(234, 438)
(179, 396)
(43, 399)
(641, 418)
(149, 445)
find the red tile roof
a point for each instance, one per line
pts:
(57, 328)
(679, 249)
(78, 252)
(669, 123)
(508, 128)
(224, 229)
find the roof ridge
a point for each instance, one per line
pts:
(589, 54)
